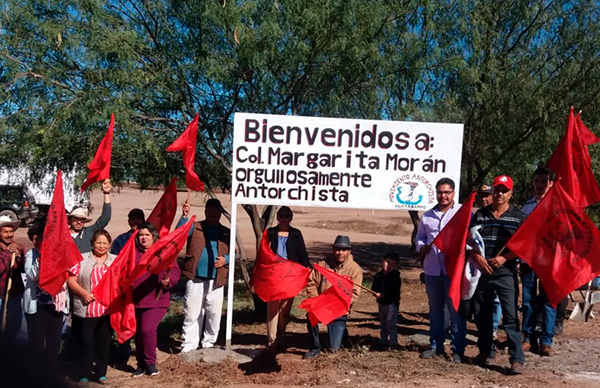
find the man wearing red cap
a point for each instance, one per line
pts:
(499, 274)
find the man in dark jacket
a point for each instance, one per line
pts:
(386, 284)
(286, 242)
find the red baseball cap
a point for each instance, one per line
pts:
(503, 180)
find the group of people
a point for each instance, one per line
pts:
(205, 269)
(46, 315)
(495, 222)
(288, 243)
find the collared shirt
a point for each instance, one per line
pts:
(496, 232)
(432, 222)
(17, 286)
(282, 246)
(120, 242)
(206, 265)
(94, 309)
(530, 205)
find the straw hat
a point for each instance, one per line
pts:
(80, 212)
(7, 221)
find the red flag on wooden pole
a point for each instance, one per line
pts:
(187, 143)
(572, 163)
(275, 278)
(100, 166)
(587, 137)
(333, 302)
(164, 212)
(452, 241)
(119, 299)
(59, 252)
(560, 243)
(162, 254)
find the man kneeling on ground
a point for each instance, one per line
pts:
(342, 263)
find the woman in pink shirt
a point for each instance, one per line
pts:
(93, 316)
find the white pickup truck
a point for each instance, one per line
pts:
(36, 194)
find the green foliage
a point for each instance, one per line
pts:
(508, 70)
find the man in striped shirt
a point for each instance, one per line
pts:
(499, 274)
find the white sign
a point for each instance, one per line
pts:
(316, 161)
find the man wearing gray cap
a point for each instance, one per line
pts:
(341, 262)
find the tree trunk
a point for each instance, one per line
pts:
(259, 223)
(242, 257)
(414, 217)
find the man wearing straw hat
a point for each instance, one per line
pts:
(79, 217)
(11, 283)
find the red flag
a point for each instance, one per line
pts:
(333, 302)
(100, 166)
(119, 299)
(275, 278)
(451, 241)
(162, 254)
(587, 137)
(572, 163)
(59, 252)
(560, 243)
(164, 212)
(187, 143)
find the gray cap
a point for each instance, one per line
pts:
(342, 242)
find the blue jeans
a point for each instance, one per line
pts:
(507, 289)
(437, 293)
(548, 314)
(536, 305)
(529, 283)
(497, 313)
(336, 330)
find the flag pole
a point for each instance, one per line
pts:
(365, 288)
(160, 292)
(230, 281)
(8, 287)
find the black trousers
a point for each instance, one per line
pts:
(507, 289)
(45, 329)
(95, 345)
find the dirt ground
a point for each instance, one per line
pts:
(575, 364)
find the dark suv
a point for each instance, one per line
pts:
(18, 203)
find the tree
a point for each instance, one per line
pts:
(509, 71)
(155, 64)
(513, 70)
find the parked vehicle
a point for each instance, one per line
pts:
(17, 203)
(41, 190)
